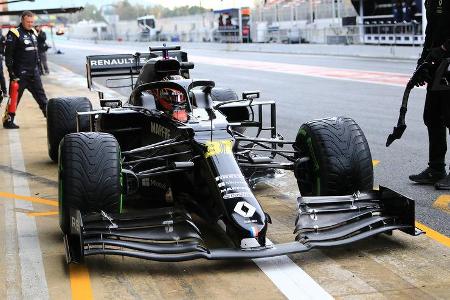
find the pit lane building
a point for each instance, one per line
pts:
(280, 21)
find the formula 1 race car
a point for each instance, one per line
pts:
(140, 178)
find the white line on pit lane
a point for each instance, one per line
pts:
(11, 271)
(34, 283)
(290, 279)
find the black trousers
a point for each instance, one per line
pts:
(2, 77)
(436, 116)
(33, 84)
(43, 66)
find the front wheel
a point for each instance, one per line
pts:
(340, 162)
(89, 175)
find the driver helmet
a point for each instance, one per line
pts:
(172, 102)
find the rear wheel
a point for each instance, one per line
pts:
(89, 175)
(233, 114)
(340, 159)
(61, 120)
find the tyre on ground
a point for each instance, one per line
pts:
(61, 120)
(340, 162)
(89, 175)
(233, 114)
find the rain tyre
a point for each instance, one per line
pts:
(61, 120)
(89, 175)
(340, 160)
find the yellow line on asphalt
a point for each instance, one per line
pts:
(432, 234)
(80, 282)
(79, 275)
(443, 202)
(29, 199)
(375, 162)
(42, 214)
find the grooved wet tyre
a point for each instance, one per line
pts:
(61, 120)
(89, 175)
(233, 114)
(340, 160)
(223, 94)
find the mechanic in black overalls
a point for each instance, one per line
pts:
(436, 113)
(22, 61)
(4, 92)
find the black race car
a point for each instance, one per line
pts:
(140, 178)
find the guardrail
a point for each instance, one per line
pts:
(393, 34)
(373, 34)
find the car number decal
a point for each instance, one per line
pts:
(219, 147)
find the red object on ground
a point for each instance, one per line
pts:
(13, 96)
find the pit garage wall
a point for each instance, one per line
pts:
(89, 31)
(313, 20)
(195, 28)
(314, 23)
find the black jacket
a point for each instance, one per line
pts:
(21, 52)
(438, 27)
(41, 38)
(2, 44)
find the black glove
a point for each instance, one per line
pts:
(422, 75)
(12, 76)
(437, 53)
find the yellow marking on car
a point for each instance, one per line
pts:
(443, 202)
(218, 147)
(29, 199)
(375, 162)
(432, 234)
(80, 282)
(42, 214)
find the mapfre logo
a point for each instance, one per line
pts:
(160, 130)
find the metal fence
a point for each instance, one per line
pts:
(374, 34)
(393, 34)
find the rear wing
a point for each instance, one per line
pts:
(120, 67)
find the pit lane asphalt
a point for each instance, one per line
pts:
(301, 98)
(398, 266)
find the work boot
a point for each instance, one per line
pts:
(429, 176)
(10, 125)
(8, 122)
(443, 184)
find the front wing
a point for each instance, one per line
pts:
(169, 234)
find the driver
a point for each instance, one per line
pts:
(172, 102)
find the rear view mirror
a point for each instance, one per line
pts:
(110, 103)
(249, 95)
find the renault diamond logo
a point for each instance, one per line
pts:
(244, 209)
